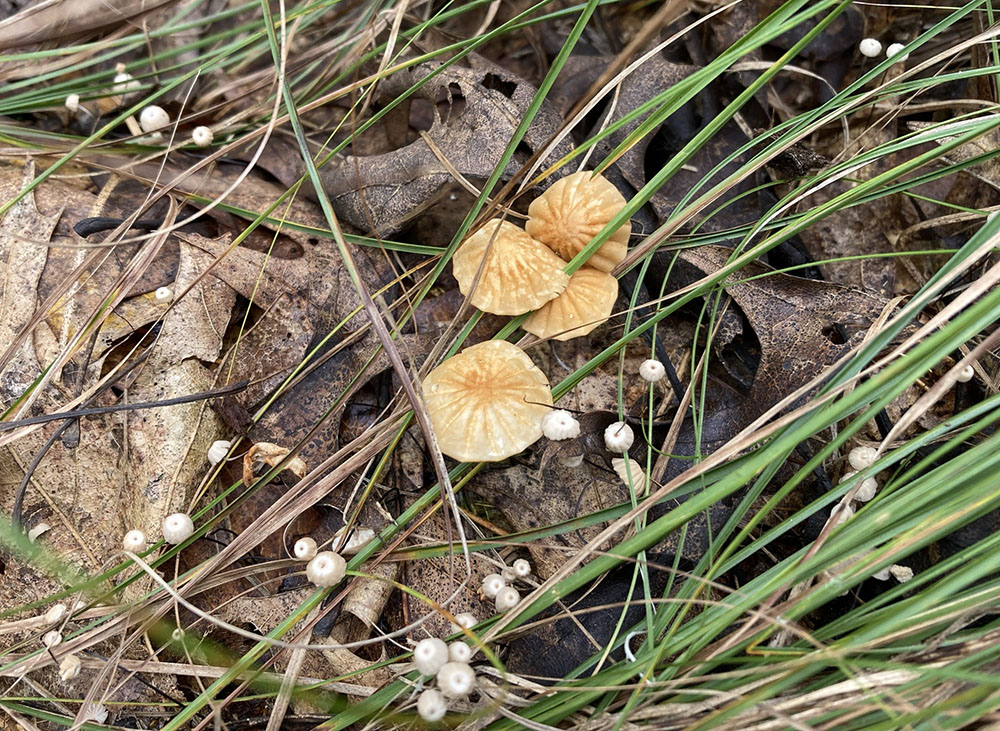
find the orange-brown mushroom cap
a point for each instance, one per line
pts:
(520, 274)
(568, 215)
(587, 302)
(487, 402)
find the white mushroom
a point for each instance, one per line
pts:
(431, 706)
(429, 655)
(618, 437)
(153, 118)
(326, 569)
(202, 136)
(870, 47)
(559, 424)
(177, 528)
(456, 679)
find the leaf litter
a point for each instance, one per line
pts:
(275, 312)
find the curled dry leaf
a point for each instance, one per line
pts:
(483, 104)
(270, 454)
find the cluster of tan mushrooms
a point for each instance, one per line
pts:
(487, 403)
(522, 269)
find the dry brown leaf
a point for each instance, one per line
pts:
(270, 454)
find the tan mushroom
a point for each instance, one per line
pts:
(567, 216)
(587, 302)
(520, 274)
(487, 402)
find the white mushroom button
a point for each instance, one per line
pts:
(177, 528)
(51, 639)
(153, 118)
(895, 52)
(202, 136)
(902, 574)
(965, 374)
(618, 437)
(459, 652)
(862, 457)
(326, 569)
(429, 655)
(870, 47)
(305, 549)
(73, 102)
(463, 620)
(431, 706)
(492, 584)
(163, 294)
(506, 599)
(56, 613)
(522, 568)
(456, 679)
(559, 424)
(652, 370)
(867, 489)
(134, 541)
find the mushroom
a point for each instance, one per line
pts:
(487, 403)
(573, 211)
(587, 302)
(519, 273)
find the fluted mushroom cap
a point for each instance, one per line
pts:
(520, 274)
(587, 302)
(568, 215)
(487, 402)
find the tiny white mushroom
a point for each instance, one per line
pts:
(895, 52)
(456, 679)
(492, 583)
(882, 575)
(618, 437)
(217, 452)
(459, 652)
(870, 47)
(56, 613)
(463, 620)
(841, 513)
(429, 655)
(522, 568)
(652, 370)
(305, 549)
(95, 712)
(153, 118)
(326, 569)
(965, 374)
(902, 574)
(124, 82)
(134, 541)
(177, 635)
(508, 574)
(862, 457)
(559, 424)
(51, 639)
(69, 668)
(73, 103)
(163, 294)
(506, 599)
(177, 528)
(202, 136)
(37, 531)
(358, 539)
(867, 490)
(431, 706)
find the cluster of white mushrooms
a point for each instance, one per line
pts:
(861, 458)
(152, 118)
(449, 663)
(871, 48)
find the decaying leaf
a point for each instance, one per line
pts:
(381, 193)
(270, 454)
